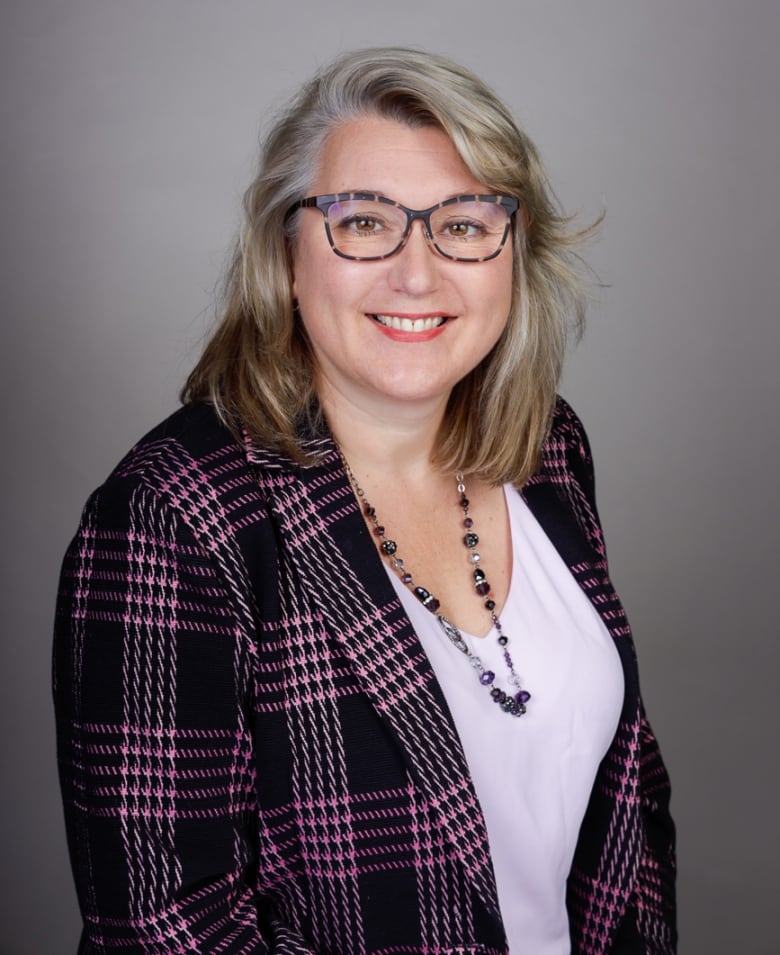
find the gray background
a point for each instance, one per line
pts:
(129, 132)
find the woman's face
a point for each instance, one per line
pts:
(366, 361)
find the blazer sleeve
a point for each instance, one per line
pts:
(649, 926)
(152, 693)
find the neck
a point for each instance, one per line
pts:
(387, 437)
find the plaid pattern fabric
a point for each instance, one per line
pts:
(254, 753)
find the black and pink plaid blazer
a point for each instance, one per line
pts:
(254, 752)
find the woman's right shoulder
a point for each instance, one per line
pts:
(187, 502)
(192, 464)
(194, 431)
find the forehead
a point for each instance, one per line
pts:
(418, 167)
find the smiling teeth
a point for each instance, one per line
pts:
(410, 324)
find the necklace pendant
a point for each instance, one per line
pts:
(456, 637)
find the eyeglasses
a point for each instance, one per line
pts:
(367, 227)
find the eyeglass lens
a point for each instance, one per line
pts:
(364, 228)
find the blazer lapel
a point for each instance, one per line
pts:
(581, 545)
(323, 531)
(558, 522)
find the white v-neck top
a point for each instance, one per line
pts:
(533, 774)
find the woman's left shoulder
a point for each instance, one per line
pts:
(566, 424)
(566, 446)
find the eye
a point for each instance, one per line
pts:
(360, 218)
(463, 229)
(361, 225)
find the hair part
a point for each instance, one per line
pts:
(258, 367)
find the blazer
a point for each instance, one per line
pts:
(255, 755)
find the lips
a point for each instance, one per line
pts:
(401, 324)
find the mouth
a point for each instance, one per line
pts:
(403, 324)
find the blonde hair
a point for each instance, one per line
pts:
(258, 367)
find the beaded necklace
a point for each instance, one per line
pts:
(512, 701)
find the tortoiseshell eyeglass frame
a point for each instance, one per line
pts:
(324, 202)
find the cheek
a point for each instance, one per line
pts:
(328, 284)
(309, 264)
(498, 288)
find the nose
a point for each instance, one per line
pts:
(414, 268)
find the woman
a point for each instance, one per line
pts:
(325, 681)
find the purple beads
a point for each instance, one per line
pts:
(426, 599)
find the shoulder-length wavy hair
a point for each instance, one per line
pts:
(258, 367)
